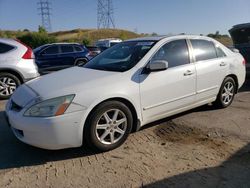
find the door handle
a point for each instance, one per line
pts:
(188, 73)
(222, 64)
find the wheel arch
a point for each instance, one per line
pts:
(233, 76)
(14, 72)
(81, 59)
(128, 103)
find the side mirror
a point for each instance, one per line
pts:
(156, 65)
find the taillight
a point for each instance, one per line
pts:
(28, 54)
(244, 62)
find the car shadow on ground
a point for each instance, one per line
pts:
(234, 172)
(14, 154)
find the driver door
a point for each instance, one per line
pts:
(167, 91)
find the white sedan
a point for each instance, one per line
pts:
(127, 86)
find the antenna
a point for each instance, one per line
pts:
(45, 12)
(105, 14)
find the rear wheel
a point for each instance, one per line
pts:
(81, 62)
(8, 84)
(227, 93)
(108, 126)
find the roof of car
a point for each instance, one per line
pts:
(240, 26)
(6, 40)
(158, 38)
(60, 43)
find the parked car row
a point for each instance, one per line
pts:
(122, 89)
(19, 64)
(57, 56)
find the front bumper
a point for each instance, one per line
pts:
(52, 133)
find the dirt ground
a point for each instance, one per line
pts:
(204, 147)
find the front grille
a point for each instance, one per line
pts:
(15, 107)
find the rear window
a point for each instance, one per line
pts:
(67, 49)
(203, 50)
(78, 49)
(220, 52)
(5, 48)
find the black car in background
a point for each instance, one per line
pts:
(241, 38)
(57, 56)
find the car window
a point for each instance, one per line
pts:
(78, 49)
(51, 50)
(67, 49)
(121, 57)
(220, 52)
(203, 50)
(175, 53)
(5, 48)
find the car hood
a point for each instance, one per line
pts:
(70, 81)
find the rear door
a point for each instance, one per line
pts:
(67, 56)
(211, 66)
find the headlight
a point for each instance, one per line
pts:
(51, 107)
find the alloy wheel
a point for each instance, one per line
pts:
(228, 93)
(7, 86)
(111, 126)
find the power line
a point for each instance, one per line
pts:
(45, 12)
(105, 14)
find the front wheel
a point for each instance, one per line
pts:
(227, 93)
(108, 126)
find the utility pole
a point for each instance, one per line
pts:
(105, 14)
(45, 12)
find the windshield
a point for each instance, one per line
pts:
(121, 57)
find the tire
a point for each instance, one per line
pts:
(81, 62)
(94, 135)
(226, 94)
(8, 84)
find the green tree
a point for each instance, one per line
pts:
(36, 39)
(86, 41)
(41, 29)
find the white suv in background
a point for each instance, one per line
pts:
(124, 88)
(17, 65)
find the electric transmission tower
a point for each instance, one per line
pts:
(105, 14)
(45, 12)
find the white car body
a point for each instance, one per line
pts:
(12, 61)
(184, 87)
(107, 42)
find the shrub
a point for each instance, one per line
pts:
(35, 39)
(86, 41)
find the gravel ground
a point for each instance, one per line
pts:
(204, 147)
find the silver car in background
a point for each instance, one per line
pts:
(17, 65)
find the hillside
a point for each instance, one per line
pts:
(92, 35)
(89, 36)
